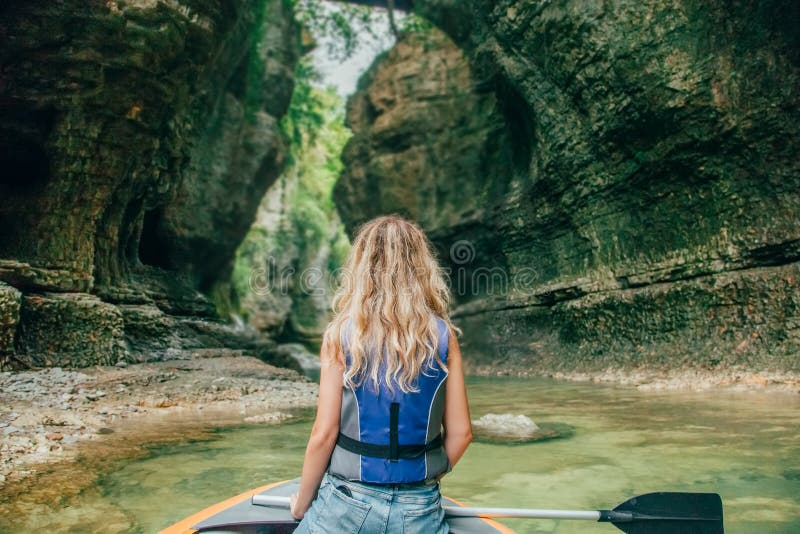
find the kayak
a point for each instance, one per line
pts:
(238, 515)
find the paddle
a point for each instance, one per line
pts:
(652, 513)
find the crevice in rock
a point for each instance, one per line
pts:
(25, 167)
(152, 246)
(130, 232)
(559, 296)
(519, 121)
(24, 164)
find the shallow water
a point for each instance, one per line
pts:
(745, 446)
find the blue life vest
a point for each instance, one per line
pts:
(394, 437)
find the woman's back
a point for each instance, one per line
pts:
(392, 415)
(388, 435)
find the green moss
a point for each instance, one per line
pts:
(256, 65)
(340, 247)
(221, 296)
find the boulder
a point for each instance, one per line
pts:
(509, 428)
(69, 330)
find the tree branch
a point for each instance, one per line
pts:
(401, 5)
(392, 24)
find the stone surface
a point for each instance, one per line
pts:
(153, 335)
(78, 409)
(609, 184)
(266, 260)
(306, 360)
(506, 424)
(10, 300)
(423, 139)
(509, 428)
(137, 138)
(238, 156)
(69, 329)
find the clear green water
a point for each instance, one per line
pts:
(745, 446)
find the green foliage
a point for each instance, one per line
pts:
(414, 23)
(305, 116)
(255, 247)
(255, 67)
(221, 295)
(314, 125)
(345, 25)
(340, 248)
(317, 164)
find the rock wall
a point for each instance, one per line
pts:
(136, 140)
(609, 184)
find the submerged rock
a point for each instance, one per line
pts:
(268, 418)
(508, 428)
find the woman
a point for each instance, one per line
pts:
(392, 415)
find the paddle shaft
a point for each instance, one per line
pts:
(459, 511)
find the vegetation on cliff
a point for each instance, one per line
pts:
(285, 266)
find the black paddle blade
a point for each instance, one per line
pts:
(670, 513)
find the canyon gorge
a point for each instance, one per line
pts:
(606, 187)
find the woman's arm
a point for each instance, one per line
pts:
(323, 434)
(457, 423)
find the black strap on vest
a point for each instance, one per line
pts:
(394, 422)
(393, 451)
(404, 452)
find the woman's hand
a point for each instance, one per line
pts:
(293, 508)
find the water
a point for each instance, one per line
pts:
(745, 446)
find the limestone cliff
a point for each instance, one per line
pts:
(136, 141)
(608, 183)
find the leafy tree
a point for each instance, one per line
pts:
(346, 24)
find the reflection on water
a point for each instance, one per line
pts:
(746, 446)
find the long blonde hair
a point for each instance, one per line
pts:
(391, 291)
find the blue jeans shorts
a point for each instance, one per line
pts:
(346, 507)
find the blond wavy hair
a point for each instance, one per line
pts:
(385, 308)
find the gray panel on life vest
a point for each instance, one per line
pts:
(343, 462)
(436, 461)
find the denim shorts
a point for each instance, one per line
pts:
(346, 507)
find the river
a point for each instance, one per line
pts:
(624, 442)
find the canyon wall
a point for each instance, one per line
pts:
(609, 184)
(136, 141)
